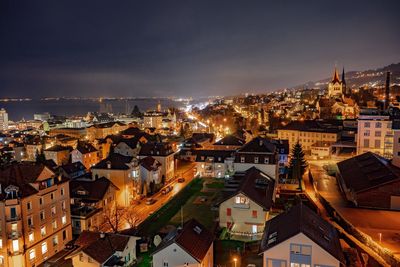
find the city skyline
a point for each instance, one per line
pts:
(187, 48)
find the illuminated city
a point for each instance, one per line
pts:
(199, 133)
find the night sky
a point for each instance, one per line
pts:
(187, 48)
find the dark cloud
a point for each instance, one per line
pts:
(151, 48)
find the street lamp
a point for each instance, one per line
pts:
(235, 260)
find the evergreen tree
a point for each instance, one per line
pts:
(136, 112)
(40, 157)
(298, 164)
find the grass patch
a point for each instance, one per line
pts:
(216, 185)
(160, 218)
(145, 259)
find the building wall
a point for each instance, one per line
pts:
(59, 157)
(123, 180)
(282, 252)
(23, 231)
(83, 260)
(242, 215)
(373, 132)
(167, 165)
(306, 139)
(88, 160)
(396, 148)
(379, 197)
(174, 255)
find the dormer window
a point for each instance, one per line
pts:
(11, 192)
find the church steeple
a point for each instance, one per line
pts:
(335, 76)
(343, 79)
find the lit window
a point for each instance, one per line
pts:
(255, 159)
(62, 191)
(31, 237)
(54, 225)
(42, 215)
(1, 243)
(241, 200)
(55, 240)
(53, 211)
(63, 205)
(44, 247)
(15, 245)
(81, 257)
(241, 159)
(43, 230)
(64, 219)
(1, 260)
(32, 254)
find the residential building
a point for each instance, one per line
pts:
(215, 163)
(80, 133)
(35, 214)
(85, 153)
(153, 119)
(101, 131)
(59, 154)
(309, 132)
(123, 172)
(3, 120)
(371, 181)
(104, 249)
(150, 176)
(32, 149)
(191, 246)
(262, 153)
(229, 142)
(246, 203)
(164, 154)
(73, 170)
(89, 200)
(375, 133)
(300, 238)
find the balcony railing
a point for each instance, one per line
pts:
(14, 234)
(13, 218)
(241, 205)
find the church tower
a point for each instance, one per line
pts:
(335, 87)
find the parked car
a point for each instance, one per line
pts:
(181, 180)
(167, 189)
(150, 201)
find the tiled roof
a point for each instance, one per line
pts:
(101, 249)
(230, 140)
(85, 148)
(258, 145)
(194, 238)
(58, 148)
(150, 163)
(22, 175)
(96, 189)
(310, 126)
(73, 167)
(156, 149)
(301, 219)
(367, 171)
(117, 161)
(254, 184)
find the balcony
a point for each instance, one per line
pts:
(14, 234)
(241, 205)
(13, 218)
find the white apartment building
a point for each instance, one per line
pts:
(375, 135)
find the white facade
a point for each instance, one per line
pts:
(280, 255)
(243, 216)
(375, 135)
(3, 120)
(174, 256)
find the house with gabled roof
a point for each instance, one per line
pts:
(104, 249)
(245, 204)
(300, 237)
(85, 153)
(191, 246)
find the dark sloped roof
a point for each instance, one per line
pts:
(301, 219)
(101, 249)
(367, 171)
(258, 145)
(117, 161)
(230, 140)
(150, 163)
(96, 189)
(254, 184)
(156, 149)
(85, 147)
(201, 137)
(194, 238)
(73, 167)
(132, 131)
(21, 175)
(217, 155)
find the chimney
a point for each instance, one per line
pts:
(387, 91)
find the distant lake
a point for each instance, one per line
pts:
(67, 107)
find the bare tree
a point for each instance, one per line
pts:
(132, 217)
(113, 217)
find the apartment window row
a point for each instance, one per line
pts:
(44, 248)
